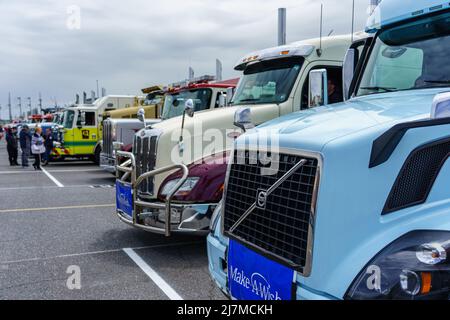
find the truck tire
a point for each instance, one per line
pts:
(96, 158)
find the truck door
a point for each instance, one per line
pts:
(334, 70)
(86, 136)
(69, 129)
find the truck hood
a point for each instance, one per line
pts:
(225, 114)
(350, 228)
(201, 131)
(314, 128)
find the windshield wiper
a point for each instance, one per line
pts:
(386, 89)
(248, 100)
(437, 81)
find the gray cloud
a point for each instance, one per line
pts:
(128, 45)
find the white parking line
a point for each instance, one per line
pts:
(46, 187)
(75, 170)
(98, 252)
(52, 171)
(92, 206)
(19, 172)
(59, 184)
(160, 282)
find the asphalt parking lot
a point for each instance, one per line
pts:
(60, 223)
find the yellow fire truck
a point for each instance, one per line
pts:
(82, 124)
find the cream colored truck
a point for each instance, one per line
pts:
(274, 83)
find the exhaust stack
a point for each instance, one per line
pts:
(218, 70)
(281, 26)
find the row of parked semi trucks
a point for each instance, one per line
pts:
(79, 129)
(301, 199)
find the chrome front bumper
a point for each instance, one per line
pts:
(153, 215)
(189, 219)
(107, 163)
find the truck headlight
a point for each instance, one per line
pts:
(117, 145)
(414, 267)
(185, 188)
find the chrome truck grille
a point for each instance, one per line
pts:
(281, 224)
(107, 138)
(144, 149)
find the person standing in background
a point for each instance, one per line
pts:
(48, 146)
(11, 145)
(25, 145)
(2, 132)
(37, 148)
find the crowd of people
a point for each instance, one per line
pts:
(37, 144)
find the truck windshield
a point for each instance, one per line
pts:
(68, 119)
(59, 119)
(174, 103)
(153, 99)
(411, 56)
(268, 81)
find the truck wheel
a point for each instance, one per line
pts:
(96, 159)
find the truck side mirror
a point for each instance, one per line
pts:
(441, 106)
(82, 121)
(348, 71)
(229, 97)
(318, 88)
(243, 119)
(222, 100)
(141, 116)
(189, 108)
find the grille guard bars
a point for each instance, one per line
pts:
(128, 168)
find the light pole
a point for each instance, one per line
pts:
(40, 103)
(9, 107)
(29, 106)
(20, 106)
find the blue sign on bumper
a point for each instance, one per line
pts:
(124, 198)
(254, 277)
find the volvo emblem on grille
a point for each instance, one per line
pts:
(262, 195)
(261, 199)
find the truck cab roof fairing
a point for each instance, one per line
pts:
(297, 49)
(391, 12)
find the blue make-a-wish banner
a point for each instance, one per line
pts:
(124, 198)
(252, 276)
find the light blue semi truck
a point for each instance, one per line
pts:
(359, 205)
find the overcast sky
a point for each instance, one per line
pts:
(132, 44)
